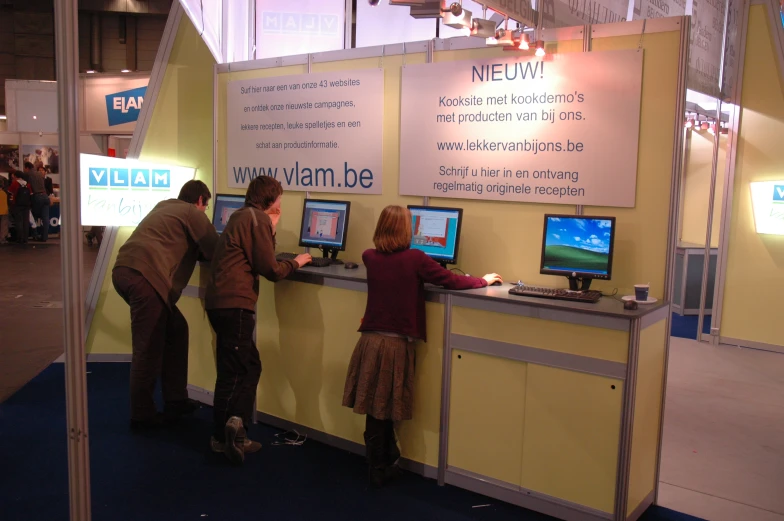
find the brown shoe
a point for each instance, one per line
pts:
(248, 446)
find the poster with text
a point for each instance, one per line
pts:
(658, 9)
(707, 41)
(561, 129)
(313, 132)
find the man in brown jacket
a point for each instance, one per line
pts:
(152, 268)
(245, 251)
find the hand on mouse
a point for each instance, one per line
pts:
(303, 259)
(492, 278)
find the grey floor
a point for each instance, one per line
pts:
(723, 450)
(31, 314)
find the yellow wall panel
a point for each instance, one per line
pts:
(755, 263)
(570, 442)
(201, 356)
(647, 410)
(180, 132)
(486, 415)
(595, 342)
(305, 341)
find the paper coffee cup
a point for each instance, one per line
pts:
(641, 292)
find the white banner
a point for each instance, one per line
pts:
(658, 8)
(121, 192)
(313, 132)
(707, 38)
(563, 129)
(568, 13)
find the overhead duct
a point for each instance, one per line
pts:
(95, 42)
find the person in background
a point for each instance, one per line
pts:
(4, 200)
(245, 251)
(380, 379)
(47, 180)
(41, 200)
(21, 200)
(152, 268)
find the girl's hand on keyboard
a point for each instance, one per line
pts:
(303, 259)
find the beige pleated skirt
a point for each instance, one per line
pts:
(380, 379)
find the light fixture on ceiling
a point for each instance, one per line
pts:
(540, 48)
(125, 70)
(91, 71)
(482, 28)
(3, 116)
(457, 17)
(503, 36)
(704, 125)
(35, 117)
(522, 41)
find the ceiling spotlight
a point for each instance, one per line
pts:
(35, 117)
(540, 48)
(704, 125)
(457, 17)
(482, 28)
(522, 41)
(125, 70)
(91, 71)
(504, 37)
(3, 116)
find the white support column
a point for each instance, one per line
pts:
(67, 53)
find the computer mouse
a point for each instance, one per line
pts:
(496, 283)
(630, 305)
(351, 265)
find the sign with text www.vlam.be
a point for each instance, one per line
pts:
(318, 132)
(121, 192)
(561, 129)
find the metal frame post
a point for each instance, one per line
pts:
(67, 51)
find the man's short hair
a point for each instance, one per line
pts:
(263, 191)
(192, 190)
(28, 165)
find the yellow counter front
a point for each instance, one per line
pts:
(547, 404)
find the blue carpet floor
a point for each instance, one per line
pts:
(171, 475)
(685, 326)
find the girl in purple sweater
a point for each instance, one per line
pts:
(380, 380)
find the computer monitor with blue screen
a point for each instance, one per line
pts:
(578, 247)
(325, 226)
(224, 206)
(436, 231)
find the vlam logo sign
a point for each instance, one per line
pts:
(767, 197)
(300, 23)
(103, 178)
(121, 192)
(124, 107)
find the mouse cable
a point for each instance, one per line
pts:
(457, 269)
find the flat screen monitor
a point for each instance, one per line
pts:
(324, 225)
(225, 205)
(436, 231)
(578, 247)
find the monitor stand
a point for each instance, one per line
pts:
(579, 283)
(443, 264)
(332, 254)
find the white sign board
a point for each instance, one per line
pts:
(767, 197)
(562, 129)
(121, 192)
(312, 132)
(707, 40)
(658, 9)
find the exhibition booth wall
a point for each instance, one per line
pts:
(598, 459)
(755, 261)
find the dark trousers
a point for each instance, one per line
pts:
(41, 205)
(380, 442)
(160, 344)
(21, 223)
(238, 366)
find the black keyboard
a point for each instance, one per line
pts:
(317, 262)
(589, 296)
